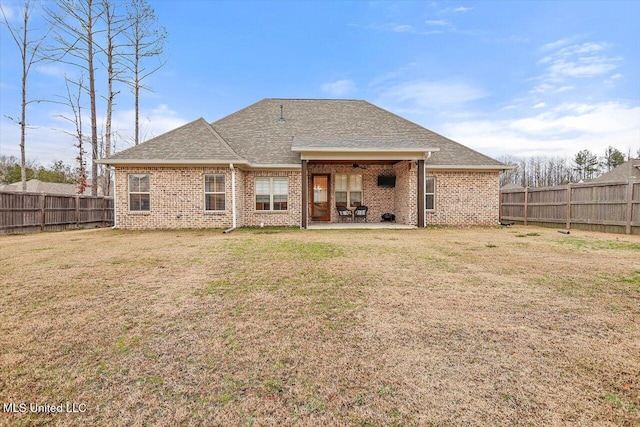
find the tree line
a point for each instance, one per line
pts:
(544, 171)
(106, 46)
(58, 171)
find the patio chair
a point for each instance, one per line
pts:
(343, 213)
(361, 212)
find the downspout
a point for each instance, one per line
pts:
(115, 200)
(233, 200)
(425, 187)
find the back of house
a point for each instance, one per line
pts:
(294, 162)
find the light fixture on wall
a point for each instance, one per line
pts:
(356, 166)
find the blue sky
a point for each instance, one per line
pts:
(505, 78)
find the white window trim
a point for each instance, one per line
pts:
(271, 194)
(435, 183)
(204, 183)
(129, 192)
(361, 191)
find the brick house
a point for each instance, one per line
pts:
(291, 162)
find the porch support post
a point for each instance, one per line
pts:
(421, 195)
(305, 194)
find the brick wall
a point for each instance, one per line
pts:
(465, 198)
(290, 217)
(406, 194)
(177, 199)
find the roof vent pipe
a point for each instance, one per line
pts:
(281, 119)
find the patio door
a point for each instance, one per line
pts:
(320, 203)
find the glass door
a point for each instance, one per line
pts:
(320, 207)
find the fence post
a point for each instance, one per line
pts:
(526, 203)
(629, 205)
(568, 225)
(43, 206)
(77, 198)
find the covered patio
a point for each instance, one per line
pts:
(386, 182)
(359, 226)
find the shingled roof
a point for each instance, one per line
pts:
(627, 170)
(257, 136)
(195, 142)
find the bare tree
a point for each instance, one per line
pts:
(537, 171)
(145, 41)
(75, 29)
(115, 26)
(74, 101)
(29, 54)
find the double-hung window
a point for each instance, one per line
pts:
(214, 192)
(272, 193)
(139, 193)
(430, 193)
(348, 190)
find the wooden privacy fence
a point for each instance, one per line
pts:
(30, 212)
(603, 206)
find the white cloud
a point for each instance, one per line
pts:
(566, 61)
(564, 89)
(422, 94)
(402, 28)
(563, 130)
(459, 9)
(339, 87)
(438, 23)
(557, 44)
(539, 105)
(8, 11)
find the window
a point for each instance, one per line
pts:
(272, 194)
(139, 196)
(430, 193)
(348, 190)
(214, 192)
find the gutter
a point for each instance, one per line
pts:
(115, 199)
(233, 200)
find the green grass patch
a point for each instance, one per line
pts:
(124, 344)
(633, 279)
(596, 244)
(314, 251)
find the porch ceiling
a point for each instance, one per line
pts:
(361, 155)
(351, 162)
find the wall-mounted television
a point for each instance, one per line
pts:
(386, 181)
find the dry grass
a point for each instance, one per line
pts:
(516, 326)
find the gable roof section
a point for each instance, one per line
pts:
(194, 143)
(344, 125)
(256, 136)
(37, 186)
(622, 172)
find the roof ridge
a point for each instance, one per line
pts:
(314, 99)
(156, 137)
(220, 139)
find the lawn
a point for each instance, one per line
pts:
(498, 326)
